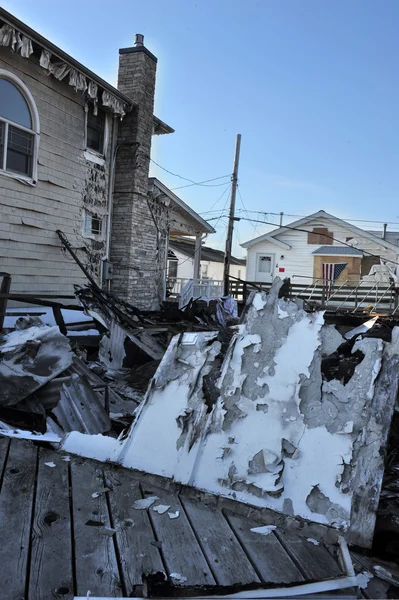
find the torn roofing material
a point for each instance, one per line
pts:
(29, 359)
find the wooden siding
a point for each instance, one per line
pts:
(298, 260)
(67, 184)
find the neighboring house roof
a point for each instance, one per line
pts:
(271, 236)
(57, 53)
(390, 236)
(187, 247)
(201, 225)
(338, 250)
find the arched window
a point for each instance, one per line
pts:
(19, 127)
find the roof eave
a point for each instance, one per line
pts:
(161, 128)
(204, 226)
(63, 56)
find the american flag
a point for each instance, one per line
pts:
(331, 272)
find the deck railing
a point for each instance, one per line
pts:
(377, 297)
(185, 290)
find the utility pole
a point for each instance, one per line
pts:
(229, 238)
(281, 218)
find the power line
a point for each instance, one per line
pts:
(324, 235)
(218, 200)
(186, 178)
(259, 212)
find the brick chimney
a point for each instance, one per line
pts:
(134, 236)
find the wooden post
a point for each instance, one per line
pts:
(229, 239)
(197, 256)
(4, 289)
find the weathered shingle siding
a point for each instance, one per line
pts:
(30, 215)
(299, 259)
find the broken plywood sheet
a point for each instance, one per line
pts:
(273, 432)
(29, 359)
(174, 412)
(112, 351)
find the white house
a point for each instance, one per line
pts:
(181, 261)
(307, 248)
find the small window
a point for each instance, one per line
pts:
(17, 138)
(265, 264)
(93, 225)
(172, 269)
(95, 130)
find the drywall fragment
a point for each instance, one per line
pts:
(259, 301)
(109, 531)
(144, 503)
(99, 492)
(363, 579)
(50, 464)
(265, 530)
(161, 508)
(313, 541)
(174, 515)
(177, 578)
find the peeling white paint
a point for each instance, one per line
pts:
(161, 508)
(144, 503)
(313, 541)
(259, 301)
(265, 530)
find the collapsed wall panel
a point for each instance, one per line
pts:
(287, 423)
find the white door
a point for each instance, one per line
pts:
(265, 267)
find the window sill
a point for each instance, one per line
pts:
(94, 157)
(21, 178)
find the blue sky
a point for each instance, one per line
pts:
(312, 86)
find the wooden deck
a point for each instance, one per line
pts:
(55, 541)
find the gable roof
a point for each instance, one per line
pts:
(271, 235)
(187, 247)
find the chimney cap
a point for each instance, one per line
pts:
(139, 39)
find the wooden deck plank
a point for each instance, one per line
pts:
(16, 502)
(229, 563)
(180, 549)
(95, 557)
(51, 573)
(134, 531)
(272, 562)
(315, 562)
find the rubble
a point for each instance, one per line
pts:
(331, 398)
(244, 411)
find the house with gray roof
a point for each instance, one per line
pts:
(319, 247)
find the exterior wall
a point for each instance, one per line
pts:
(30, 249)
(185, 265)
(215, 270)
(185, 268)
(298, 261)
(139, 225)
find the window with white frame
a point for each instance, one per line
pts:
(92, 225)
(95, 129)
(19, 127)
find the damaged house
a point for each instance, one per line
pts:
(74, 158)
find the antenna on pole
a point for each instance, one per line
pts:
(229, 238)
